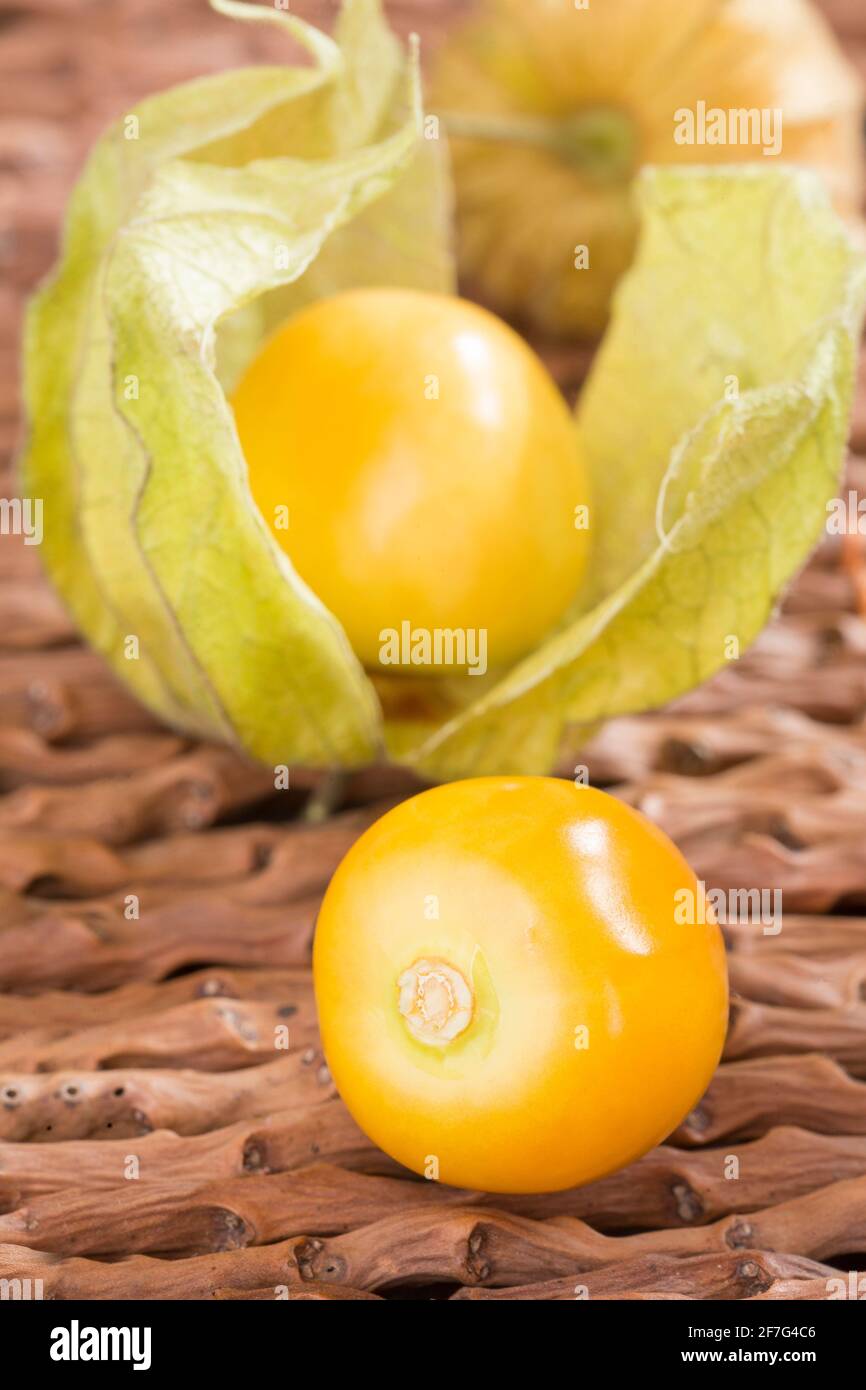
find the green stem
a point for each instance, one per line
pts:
(323, 800)
(507, 130)
(600, 141)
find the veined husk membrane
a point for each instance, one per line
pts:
(713, 422)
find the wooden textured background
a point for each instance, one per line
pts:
(154, 1038)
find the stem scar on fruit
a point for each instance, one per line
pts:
(429, 468)
(504, 980)
(435, 1001)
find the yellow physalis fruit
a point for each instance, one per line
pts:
(519, 985)
(420, 468)
(557, 105)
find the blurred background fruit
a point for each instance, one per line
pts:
(558, 107)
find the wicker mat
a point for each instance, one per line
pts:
(154, 1037)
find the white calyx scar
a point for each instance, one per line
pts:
(435, 1001)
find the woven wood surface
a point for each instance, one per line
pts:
(154, 1037)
